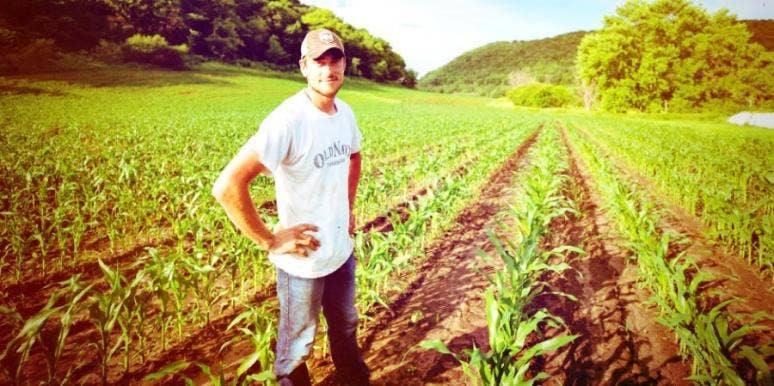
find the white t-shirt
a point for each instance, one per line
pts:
(308, 152)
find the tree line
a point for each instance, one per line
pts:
(672, 55)
(268, 31)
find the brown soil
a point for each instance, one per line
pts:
(199, 343)
(620, 341)
(735, 278)
(444, 301)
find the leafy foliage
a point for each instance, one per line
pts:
(154, 50)
(227, 30)
(673, 55)
(540, 95)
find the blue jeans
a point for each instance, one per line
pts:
(300, 303)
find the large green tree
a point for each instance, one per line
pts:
(672, 55)
(228, 30)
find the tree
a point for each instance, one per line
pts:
(228, 30)
(276, 53)
(410, 79)
(671, 55)
(540, 95)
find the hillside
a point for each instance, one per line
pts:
(176, 34)
(492, 69)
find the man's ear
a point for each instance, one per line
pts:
(302, 66)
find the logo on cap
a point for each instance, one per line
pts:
(326, 37)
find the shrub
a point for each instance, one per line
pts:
(108, 52)
(34, 56)
(540, 95)
(154, 50)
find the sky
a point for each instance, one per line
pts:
(430, 33)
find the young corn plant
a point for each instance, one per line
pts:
(53, 340)
(257, 327)
(110, 308)
(703, 336)
(48, 328)
(510, 320)
(10, 359)
(202, 275)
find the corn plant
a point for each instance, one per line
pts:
(57, 314)
(256, 326)
(110, 308)
(202, 275)
(512, 290)
(730, 195)
(53, 340)
(703, 336)
(10, 360)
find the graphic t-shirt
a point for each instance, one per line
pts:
(307, 152)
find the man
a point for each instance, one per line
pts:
(311, 145)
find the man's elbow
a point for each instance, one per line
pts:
(220, 189)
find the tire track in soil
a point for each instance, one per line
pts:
(733, 275)
(448, 292)
(620, 341)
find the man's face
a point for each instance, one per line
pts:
(324, 75)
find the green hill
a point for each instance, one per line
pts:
(492, 69)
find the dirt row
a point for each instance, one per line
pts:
(734, 277)
(620, 341)
(199, 343)
(444, 301)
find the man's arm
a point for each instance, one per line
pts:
(231, 191)
(352, 181)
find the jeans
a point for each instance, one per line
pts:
(300, 303)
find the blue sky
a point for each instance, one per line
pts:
(430, 33)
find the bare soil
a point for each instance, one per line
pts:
(734, 277)
(620, 342)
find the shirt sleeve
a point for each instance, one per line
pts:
(271, 142)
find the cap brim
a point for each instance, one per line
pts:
(319, 52)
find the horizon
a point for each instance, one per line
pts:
(424, 43)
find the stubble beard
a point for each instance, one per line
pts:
(328, 92)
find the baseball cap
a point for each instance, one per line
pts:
(318, 41)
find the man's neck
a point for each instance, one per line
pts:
(322, 102)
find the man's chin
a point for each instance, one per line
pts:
(328, 90)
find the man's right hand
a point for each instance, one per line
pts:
(294, 240)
